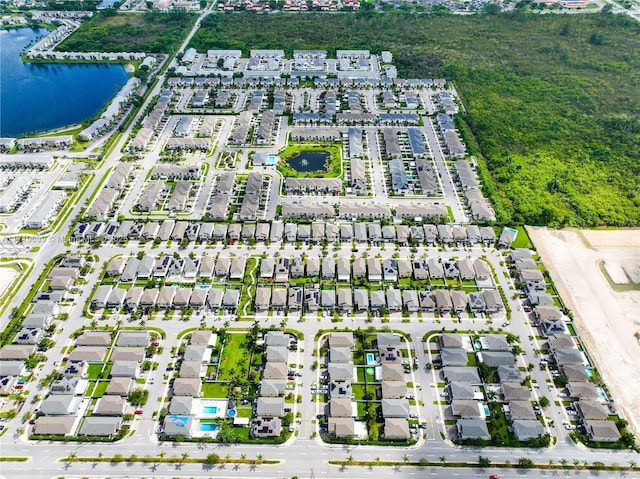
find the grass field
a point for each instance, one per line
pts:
(130, 32)
(215, 390)
(554, 123)
(235, 359)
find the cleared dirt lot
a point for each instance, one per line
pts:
(606, 319)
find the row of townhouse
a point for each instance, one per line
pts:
(166, 297)
(372, 269)
(360, 300)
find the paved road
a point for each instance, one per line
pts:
(305, 448)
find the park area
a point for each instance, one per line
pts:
(606, 315)
(310, 160)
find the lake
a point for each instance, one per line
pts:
(309, 161)
(37, 97)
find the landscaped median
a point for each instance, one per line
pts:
(184, 458)
(486, 463)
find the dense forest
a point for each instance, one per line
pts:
(553, 100)
(150, 32)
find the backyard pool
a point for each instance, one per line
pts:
(212, 408)
(371, 359)
(208, 427)
(602, 394)
(487, 412)
(589, 372)
(478, 345)
(231, 413)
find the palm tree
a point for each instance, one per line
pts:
(405, 458)
(243, 456)
(551, 462)
(185, 455)
(377, 458)
(576, 462)
(442, 459)
(161, 454)
(259, 457)
(563, 461)
(72, 456)
(227, 458)
(632, 464)
(350, 460)
(100, 455)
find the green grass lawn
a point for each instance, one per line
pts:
(472, 360)
(235, 358)
(358, 391)
(522, 239)
(93, 371)
(101, 387)
(244, 411)
(214, 390)
(90, 388)
(373, 389)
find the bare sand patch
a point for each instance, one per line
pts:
(606, 319)
(7, 277)
(623, 238)
(616, 272)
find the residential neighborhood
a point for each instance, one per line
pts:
(286, 255)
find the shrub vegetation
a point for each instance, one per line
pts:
(555, 113)
(150, 32)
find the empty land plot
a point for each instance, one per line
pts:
(130, 32)
(607, 320)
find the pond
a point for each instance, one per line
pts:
(309, 161)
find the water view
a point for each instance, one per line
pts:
(35, 97)
(309, 161)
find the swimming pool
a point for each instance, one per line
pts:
(371, 358)
(208, 427)
(487, 412)
(212, 408)
(231, 413)
(589, 372)
(477, 345)
(602, 394)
